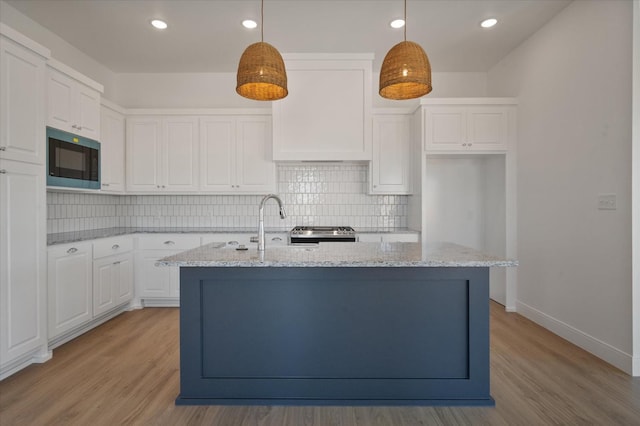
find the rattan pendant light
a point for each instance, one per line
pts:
(406, 71)
(261, 72)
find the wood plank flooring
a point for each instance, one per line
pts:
(125, 372)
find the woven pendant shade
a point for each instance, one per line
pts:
(405, 72)
(261, 73)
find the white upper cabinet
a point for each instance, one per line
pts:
(390, 169)
(327, 114)
(465, 127)
(112, 150)
(162, 154)
(73, 101)
(22, 107)
(236, 154)
(180, 147)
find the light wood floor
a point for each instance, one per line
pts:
(126, 372)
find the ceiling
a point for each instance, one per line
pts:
(207, 35)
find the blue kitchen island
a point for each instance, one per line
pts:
(337, 324)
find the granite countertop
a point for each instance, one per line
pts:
(72, 237)
(338, 255)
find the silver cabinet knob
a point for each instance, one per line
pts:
(72, 250)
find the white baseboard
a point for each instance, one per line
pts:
(76, 332)
(161, 303)
(602, 350)
(36, 356)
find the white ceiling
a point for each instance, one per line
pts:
(206, 35)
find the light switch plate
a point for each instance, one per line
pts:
(607, 202)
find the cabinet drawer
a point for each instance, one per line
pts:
(168, 242)
(110, 246)
(62, 250)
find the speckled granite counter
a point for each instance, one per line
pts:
(338, 255)
(338, 324)
(92, 234)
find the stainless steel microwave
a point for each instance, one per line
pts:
(72, 161)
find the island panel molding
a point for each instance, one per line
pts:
(334, 336)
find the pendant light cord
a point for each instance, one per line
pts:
(262, 21)
(405, 20)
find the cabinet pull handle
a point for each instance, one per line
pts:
(3, 172)
(72, 250)
(3, 148)
(105, 184)
(169, 243)
(116, 263)
(233, 243)
(276, 239)
(115, 247)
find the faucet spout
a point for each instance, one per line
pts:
(283, 214)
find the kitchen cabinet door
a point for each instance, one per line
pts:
(255, 171)
(143, 158)
(70, 283)
(390, 169)
(23, 260)
(236, 154)
(112, 151)
(112, 282)
(22, 104)
(162, 154)
(180, 154)
(466, 128)
(160, 285)
(73, 106)
(218, 159)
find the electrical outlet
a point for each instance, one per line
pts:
(607, 202)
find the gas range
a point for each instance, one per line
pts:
(317, 234)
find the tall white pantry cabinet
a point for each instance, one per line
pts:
(23, 322)
(464, 176)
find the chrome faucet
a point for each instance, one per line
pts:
(260, 238)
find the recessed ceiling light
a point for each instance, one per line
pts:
(161, 25)
(397, 23)
(488, 23)
(249, 23)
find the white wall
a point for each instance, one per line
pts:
(573, 81)
(217, 90)
(60, 49)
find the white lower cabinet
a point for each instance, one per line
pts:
(70, 287)
(160, 285)
(112, 273)
(88, 282)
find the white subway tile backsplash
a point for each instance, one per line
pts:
(334, 194)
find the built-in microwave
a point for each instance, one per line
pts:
(72, 161)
